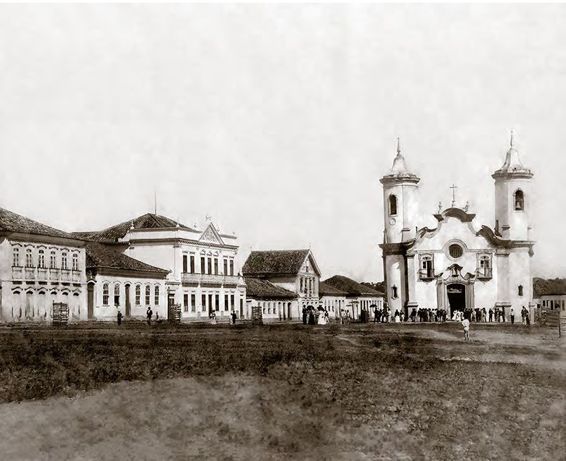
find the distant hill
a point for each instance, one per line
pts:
(548, 286)
(378, 286)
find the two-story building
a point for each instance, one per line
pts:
(203, 273)
(39, 266)
(294, 270)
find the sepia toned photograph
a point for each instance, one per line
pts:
(282, 231)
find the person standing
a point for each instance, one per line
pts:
(304, 315)
(375, 315)
(234, 317)
(149, 315)
(119, 317)
(466, 325)
(512, 316)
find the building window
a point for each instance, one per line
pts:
(105, 294)
(138, 295)
(484, 266)
(427, 267)
(203, 301)
(64, 264)
(225, 266)
(217, 302)
(75, 262)
(231, 267)
(392, 205)
(226, 302)
(29, 258)
(455, 251)
(202, 265)
(147, 295)
(519, 200)
(185, 264)
(53, 260)
(16, 257)
(156, 295)
(210, 305)
(117, 294)
(209, 266)
(394, 292)
(41, 259)
(193, 303)
(232, 304)
(186, 302)
(192, 264)
(520, 290)
(216, 266)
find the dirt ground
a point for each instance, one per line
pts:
(385, 392)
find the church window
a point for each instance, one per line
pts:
(520, 290)
(484, 266)
(427, 268)
(455, 250)
(16, 257)
(105, 294)
(138, 295)
(392, 205)
(156, 295)
(519, 200)
(394, 292)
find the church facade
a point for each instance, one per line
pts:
(459, 264)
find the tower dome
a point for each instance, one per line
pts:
(399, 170)
(513, 165)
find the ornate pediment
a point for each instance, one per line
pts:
(211, 235)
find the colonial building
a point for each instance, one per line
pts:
(294, 270)
(459, 264)
(358, 297)
(118, 282)
(332, 299)
(276, 303)
(203, 273)
(550, 295)
(39, 265)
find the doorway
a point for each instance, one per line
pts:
(128, 302)
(456, 297)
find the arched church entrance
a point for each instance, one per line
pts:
(456, 293)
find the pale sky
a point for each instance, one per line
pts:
(278, 121)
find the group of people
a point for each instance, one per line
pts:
(312, 316)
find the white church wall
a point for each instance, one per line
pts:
(519, 275)
(394, 268)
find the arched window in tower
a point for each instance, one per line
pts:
(392, 205)
(520, 290)
(394, 292)
(519, 200)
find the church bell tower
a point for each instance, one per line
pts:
(400, 201)
(513, 197)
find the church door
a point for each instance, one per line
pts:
(456, 297)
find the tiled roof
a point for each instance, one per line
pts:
(350, 286)
(146, 221)
(543, 287)
(12, 222)
(107, 256)
(325, 289)
(262, 289)
(274, 262)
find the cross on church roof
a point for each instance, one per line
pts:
(453, 187)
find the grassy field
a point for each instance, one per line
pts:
(282, 391)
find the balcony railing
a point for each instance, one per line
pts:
(42, 274)
(213, 279)
(483, 273)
